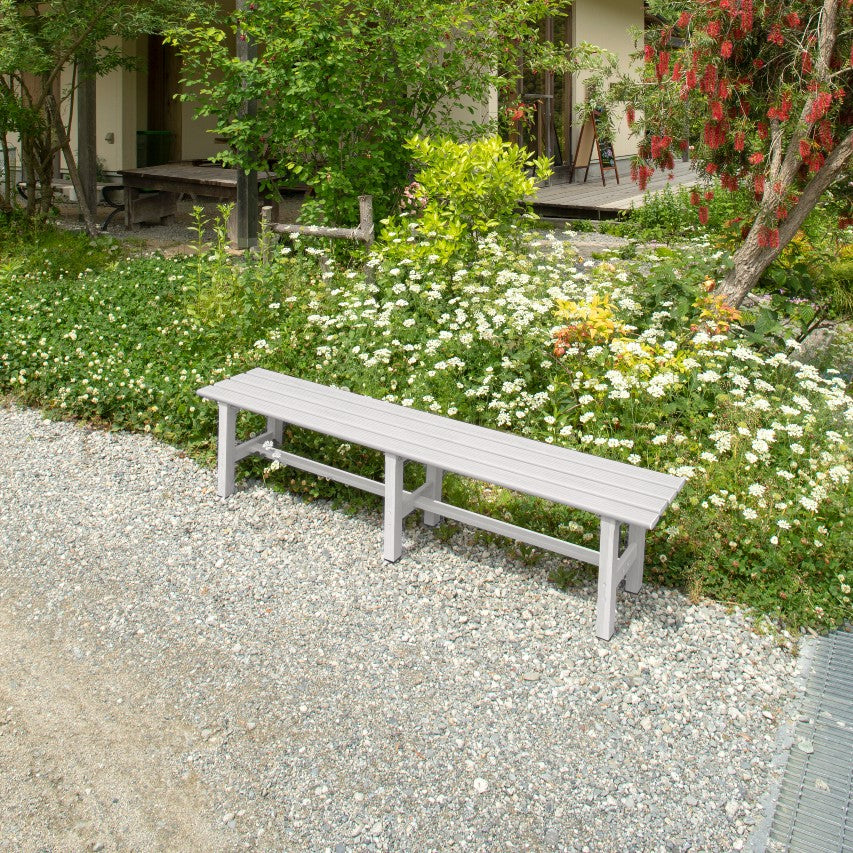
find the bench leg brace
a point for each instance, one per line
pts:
(225, 450)
(434, 477)
(608, 554)
(634, 575)
(393, 530)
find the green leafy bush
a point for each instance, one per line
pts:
(461, 193)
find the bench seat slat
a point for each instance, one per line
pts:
(271, 381)
(553, 473)
(606, 500)
(486, 445)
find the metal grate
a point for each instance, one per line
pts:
(814, 809)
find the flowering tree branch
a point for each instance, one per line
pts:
(773, 82)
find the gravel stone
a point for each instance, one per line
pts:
(297, 693)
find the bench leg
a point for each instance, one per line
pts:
(634, 576)
(434, 478)
(608, 554)
(225, 450)
(276, 428)
(393, 529)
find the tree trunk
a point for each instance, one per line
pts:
(751, 259)
(71, 163)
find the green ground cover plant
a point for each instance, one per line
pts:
(636, 359)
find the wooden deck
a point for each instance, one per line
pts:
(591, 200)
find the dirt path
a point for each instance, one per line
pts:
(83, 766)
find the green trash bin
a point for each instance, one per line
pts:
(153, 147)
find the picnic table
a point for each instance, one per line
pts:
(152, 192)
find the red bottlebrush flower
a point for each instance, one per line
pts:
(805, 149)
(644, 173)
(717, 111)
(709, 195)
(726, 49)
(824, 134)
(746, 15)
(714, 135)
(676, 72)
(758, 64)
(683, 20)
(694, 198)
(648, 53)
(758, 185)
(690, 79)
(756, 158)
(820, 106)
(775, 35)
(630, 115)
(816, 162)
(740, 140)
(806, 60)
(662, 68)
(713, 29)
(793, 20)
(709, 80)
(762, 129)
(711, 169)
(634, 171)
(660, 145)
(723, 89)
(781, 213)
(729, 183)
(703, 215)
(768, 238)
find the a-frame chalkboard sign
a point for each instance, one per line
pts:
(583, 152)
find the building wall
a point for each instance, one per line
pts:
(608, 24)
(114, 98)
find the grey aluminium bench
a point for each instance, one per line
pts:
(619, 494)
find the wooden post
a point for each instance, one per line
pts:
(365, 217)
(247, 182)
(87, 157)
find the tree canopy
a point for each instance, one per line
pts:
(341, 85)
(772, 81)
(38, 42)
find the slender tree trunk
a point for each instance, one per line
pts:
(8, 197)
(71, 163)
(751, 259)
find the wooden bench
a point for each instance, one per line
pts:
(619, 494)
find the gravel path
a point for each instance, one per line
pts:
(183, 673)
